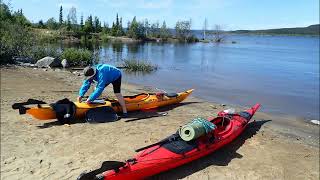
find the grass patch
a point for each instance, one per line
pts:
(46, 36)
(134, 65)
(77, 57)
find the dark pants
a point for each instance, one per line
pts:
(117, 85)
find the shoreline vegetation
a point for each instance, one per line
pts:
(312, 30)
(21, 39)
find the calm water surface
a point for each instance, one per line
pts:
(280, 72)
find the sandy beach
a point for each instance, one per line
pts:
(270, 148)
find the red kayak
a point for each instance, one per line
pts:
(173, 151)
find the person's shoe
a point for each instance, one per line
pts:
(124, 115)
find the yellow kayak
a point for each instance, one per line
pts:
(133, 103)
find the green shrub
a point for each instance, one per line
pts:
(48, 38)
(39, 52)
(77, 57)
(192, 38)
(104, 38)
(136, 65)
(15, 40)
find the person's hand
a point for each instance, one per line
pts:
(79, 98)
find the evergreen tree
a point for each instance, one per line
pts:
(154, 29)
(81, 21)
(88, 25)
(97, 25)
(121, 31)
(136, 30)
(60, 16)
(164, 32)
(41, 24)
(117, 22)
(117, 29)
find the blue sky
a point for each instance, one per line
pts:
(230, 14)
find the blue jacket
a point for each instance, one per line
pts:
(105, 75)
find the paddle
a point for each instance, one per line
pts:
(160, 114)
(166, 140)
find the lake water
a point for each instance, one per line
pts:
(280, 72)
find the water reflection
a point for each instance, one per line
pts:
(138, 73)
(133, 47)
(117, 47)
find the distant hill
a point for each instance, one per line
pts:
(310, 30)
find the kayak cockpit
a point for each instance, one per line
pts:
(223, 124)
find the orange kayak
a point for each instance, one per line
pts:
(42, 111)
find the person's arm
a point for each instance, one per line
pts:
(97, 92)
(101, 84)
(84, 88)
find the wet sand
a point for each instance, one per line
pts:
(271, 147)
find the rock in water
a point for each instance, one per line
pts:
(317, 122)
(23, 60)
(48, 62)
(64, 63)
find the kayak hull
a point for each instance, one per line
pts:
(133, 103)
(157, 159)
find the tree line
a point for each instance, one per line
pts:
(135, 29)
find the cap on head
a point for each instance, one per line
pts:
(89, 72)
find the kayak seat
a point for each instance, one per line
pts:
(179, 146)
(245, 115)
(171, 94)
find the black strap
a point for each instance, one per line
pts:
(106, 165)
(22, 108)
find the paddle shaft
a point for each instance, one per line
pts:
(151, 145)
